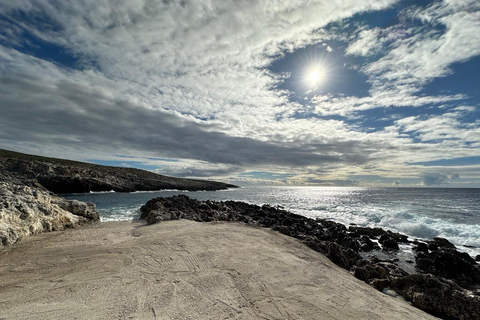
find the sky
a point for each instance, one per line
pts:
(324, 93)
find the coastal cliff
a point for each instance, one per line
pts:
(65, 176)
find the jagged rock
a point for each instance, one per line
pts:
(442, 242)
(477, 258)
(388, 242)
(367, 245)
(368, 271)
(451, 264)
(25, 210)
(372, 233)
(341, 256)
(79, 208)
(437, 296)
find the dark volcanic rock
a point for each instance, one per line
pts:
(64, 176)
(373, 233)
(451, 264)
(440, 297)
(421, 247)
(341, 256)
(442, 242)
(367, 245)
(368, 270)
(388, 242)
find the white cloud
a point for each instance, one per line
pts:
(188, 80)
(416, 55)
(367, 42)
(448, 126)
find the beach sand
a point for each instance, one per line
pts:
(182, 270)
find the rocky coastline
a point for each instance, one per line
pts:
(445, 283)
(28, 184)
(65, 176)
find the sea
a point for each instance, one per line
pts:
(420, 213)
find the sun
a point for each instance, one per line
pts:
(314, 76)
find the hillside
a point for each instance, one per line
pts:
(66, 176)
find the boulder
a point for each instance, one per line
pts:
(27, 210)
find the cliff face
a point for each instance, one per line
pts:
(27, 210)
(64, 176)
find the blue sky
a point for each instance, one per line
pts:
(363, 93)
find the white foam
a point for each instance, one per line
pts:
(156, 191)
(111, 191)
(120, 214)
(399, 220)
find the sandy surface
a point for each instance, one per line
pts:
(182, 270)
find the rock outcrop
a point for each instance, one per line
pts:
(445, 293)
(65, 176)
(28, 210)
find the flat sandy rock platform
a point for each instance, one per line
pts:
(182, 270)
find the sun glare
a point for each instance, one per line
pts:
(314, 76)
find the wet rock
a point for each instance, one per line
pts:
(367, 245)
(437, 296)
(388, 242)
(421, 247)
(451, 264)
(442, 242)
(372, 233)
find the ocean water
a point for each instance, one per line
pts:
(421, 213)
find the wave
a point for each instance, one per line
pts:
(416, 226)
(156, 191)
